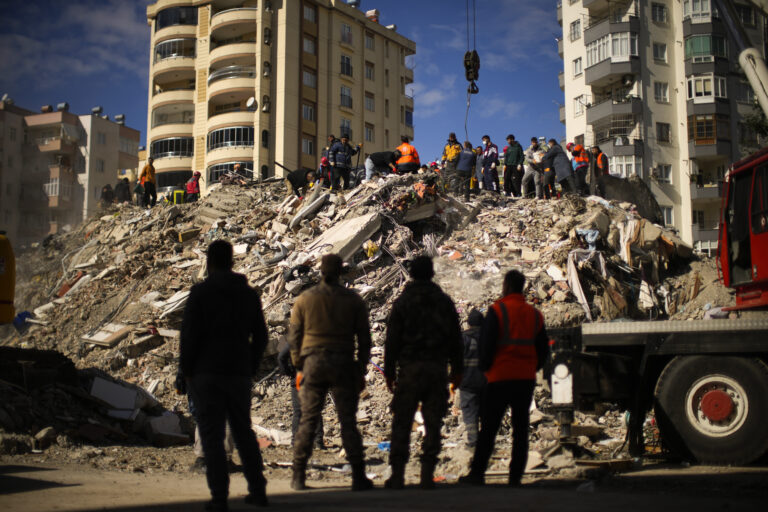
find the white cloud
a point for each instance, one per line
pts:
(496, 105)
(431, 99)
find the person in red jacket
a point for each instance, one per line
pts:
(193, 188)
(513, 347)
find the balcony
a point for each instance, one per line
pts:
(701, 234)
(606, 72)
(706, 191)
(175, 31)
(224, 23)
(234, 54)
(561, 80)
(560, 13)
(230, 154)
(608, 107)
(54, 145)
(175, 49)
(166, 67)
(709, 149)
(170, 96)
(622, 146)
(562, 114)
(172, 130)
(173, 163)
(232, 73)
(607, 26)
(560, 47)
(236, 118)
(408, 74)
(238, 80)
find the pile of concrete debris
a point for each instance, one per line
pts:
(109, 296)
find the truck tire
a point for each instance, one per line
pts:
(713, 409)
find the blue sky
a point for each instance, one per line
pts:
(96, 52)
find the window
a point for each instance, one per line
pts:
(667, 214)
(698, 218)
(744, 93)
(174, 49)
(308, 112)
(386, 78)
(215, 171)
(747, 136)
(345, 128)
(663, 132)
(408, 117)
(310, 46)
(578, 105)
(625, 166)
(370, 102)
(707, 128)
(99, 165)
(706, 86)
(346, 65)
(664, 173)
(617, 47)
(239, 136)
(746, 15)
(175, 146)
(659, 12)
(346, 96)
(308, 145)
(575, 30)
(346, 33)
(309, 78)
(661, 92)
(101, 138)
(577, 69)
(660, 52)
(12, 134)
(369, 135)
(369, 71)
(310, 14)
(697, 11)
(386, 108)
(369, 41)
(176, 16)
(760, 201)
(704, 48)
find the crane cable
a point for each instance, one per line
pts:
(471, 63)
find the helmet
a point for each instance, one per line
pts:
(569, 146)
(196, 173)
(324, 161)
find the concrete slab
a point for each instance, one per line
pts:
(346, 238)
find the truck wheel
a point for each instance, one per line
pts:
(713, 409)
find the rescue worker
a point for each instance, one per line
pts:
(193, 188)
(298, 180)
(331, 140)
(513, 167)
(340, 156)
(464, 169)
(423, 336)
(325, 321)
(557, 160)
(284, 362)
(123, 191)
(473, 381)
(381, 162)
(490, 162)
(450, 157)
(147, 180)
(600, 165)
(580, 163)
(107, 196)
(409, 158)
(223, 335)
(533, 177)
(513, 347)
(324, 173)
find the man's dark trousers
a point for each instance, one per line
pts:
(150, 194)
(219, 398)
(516, 394)
(513, 179)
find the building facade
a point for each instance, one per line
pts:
(657, 85)
(261, 82)
(53, 166)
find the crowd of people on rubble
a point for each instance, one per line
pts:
(427, 358)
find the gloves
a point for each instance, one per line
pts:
(299, 380)
(180, 384)
(455, 380)
(519, 167)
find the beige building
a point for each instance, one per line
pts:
(657, 85)
(53, 165)
(263, 81)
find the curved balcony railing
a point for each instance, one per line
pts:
(233, 10)
(172, 147)
(232, 72)
(175, 49)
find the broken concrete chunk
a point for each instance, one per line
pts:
(117, 396)
(346, 238)
(189, 234)
(109, 335)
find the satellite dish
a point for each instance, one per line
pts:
(251, 103)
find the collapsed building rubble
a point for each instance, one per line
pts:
(108, 297)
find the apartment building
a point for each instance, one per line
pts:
(657, 85)
(53, 165)
(261, 82)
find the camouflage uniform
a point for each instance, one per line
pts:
(423, 335)
(325, 321)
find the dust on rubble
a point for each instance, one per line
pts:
(91, 379)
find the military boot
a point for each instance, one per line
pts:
(360, 482)
(397, 478)
(298, 482)
(427, 475)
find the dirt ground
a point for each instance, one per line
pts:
(70, 487)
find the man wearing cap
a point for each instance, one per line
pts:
(330, 344)
(513, 167)
(423, 338)
(473, 381)
(381, 162)
(450, 158)
(298, 180)
(340, 156)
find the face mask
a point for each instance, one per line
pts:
(485, 143)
